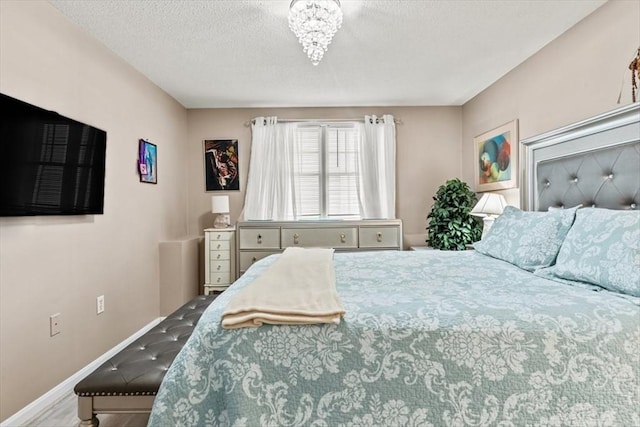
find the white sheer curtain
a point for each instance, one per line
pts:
(377, 163)
(271, 182)
(269, 193)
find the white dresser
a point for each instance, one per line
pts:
(258, 239)
(219, 258)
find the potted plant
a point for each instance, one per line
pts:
(450, 226)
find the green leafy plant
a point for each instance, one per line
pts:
(450, 226)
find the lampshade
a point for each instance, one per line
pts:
(488, 207)
(220, 204)
(489, 204)
(220, 207)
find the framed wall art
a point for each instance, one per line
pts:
(221, 165)
(496, 158)
(148, 162)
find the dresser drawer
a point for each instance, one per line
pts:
(220, 235)
(223, 266)
(220, 279)
(219, 255)
(379, 237)
(219, 245)
(259, 238)
(338, 237)
(247, 258)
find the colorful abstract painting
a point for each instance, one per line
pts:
(496, 158)
(148, 162)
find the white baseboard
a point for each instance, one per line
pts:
(33, 409)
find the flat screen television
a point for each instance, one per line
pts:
(49, 164)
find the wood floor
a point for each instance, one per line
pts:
(64, 414)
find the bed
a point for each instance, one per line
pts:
(531, 333)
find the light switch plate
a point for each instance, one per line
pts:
(100, 304)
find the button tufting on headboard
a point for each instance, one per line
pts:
(593, 162)
(618, 190)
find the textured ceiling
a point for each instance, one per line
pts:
(241, 53)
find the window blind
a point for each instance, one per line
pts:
(325, 171)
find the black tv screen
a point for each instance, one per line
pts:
(49, 164)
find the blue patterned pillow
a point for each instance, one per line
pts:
(529, 240)
(602, 248)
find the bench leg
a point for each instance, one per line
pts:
(85, 412)
(93, 422)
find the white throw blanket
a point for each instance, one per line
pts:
(298, 288)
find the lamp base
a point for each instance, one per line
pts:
(221, 221)
(487, 223)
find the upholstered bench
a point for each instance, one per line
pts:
(129, 381)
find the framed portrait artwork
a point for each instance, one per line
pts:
(221, 165)
(496, 158)
(148, 162)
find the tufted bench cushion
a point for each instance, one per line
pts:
(138, 369)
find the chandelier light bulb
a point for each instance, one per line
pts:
(315, 22)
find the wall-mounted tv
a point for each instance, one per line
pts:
(49, 164)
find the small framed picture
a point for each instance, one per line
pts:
(148, 162)
(221, 165)
(496, 158)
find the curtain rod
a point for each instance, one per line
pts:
(360, 119)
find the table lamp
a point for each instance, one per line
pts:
(489, 207)
(220, 207)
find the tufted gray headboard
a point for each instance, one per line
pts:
(595, 162)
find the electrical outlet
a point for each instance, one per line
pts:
(55, 325)
(100, 304)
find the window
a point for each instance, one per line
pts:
(325, 171)
(310, 170)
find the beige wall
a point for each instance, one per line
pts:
(427, 144)
(61, 264)
(50, 265)
(576, 76)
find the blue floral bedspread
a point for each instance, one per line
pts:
(430, 338)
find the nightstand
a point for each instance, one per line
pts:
(219, 259)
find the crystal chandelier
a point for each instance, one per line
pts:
(315, 22)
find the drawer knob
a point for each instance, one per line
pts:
(254, 259)
(218, 268)
(218, 280)
(379, 236)
(219, 255)
(259, 239)
(343, 238)
(219, 246)
(219, 236)
(295, 238)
